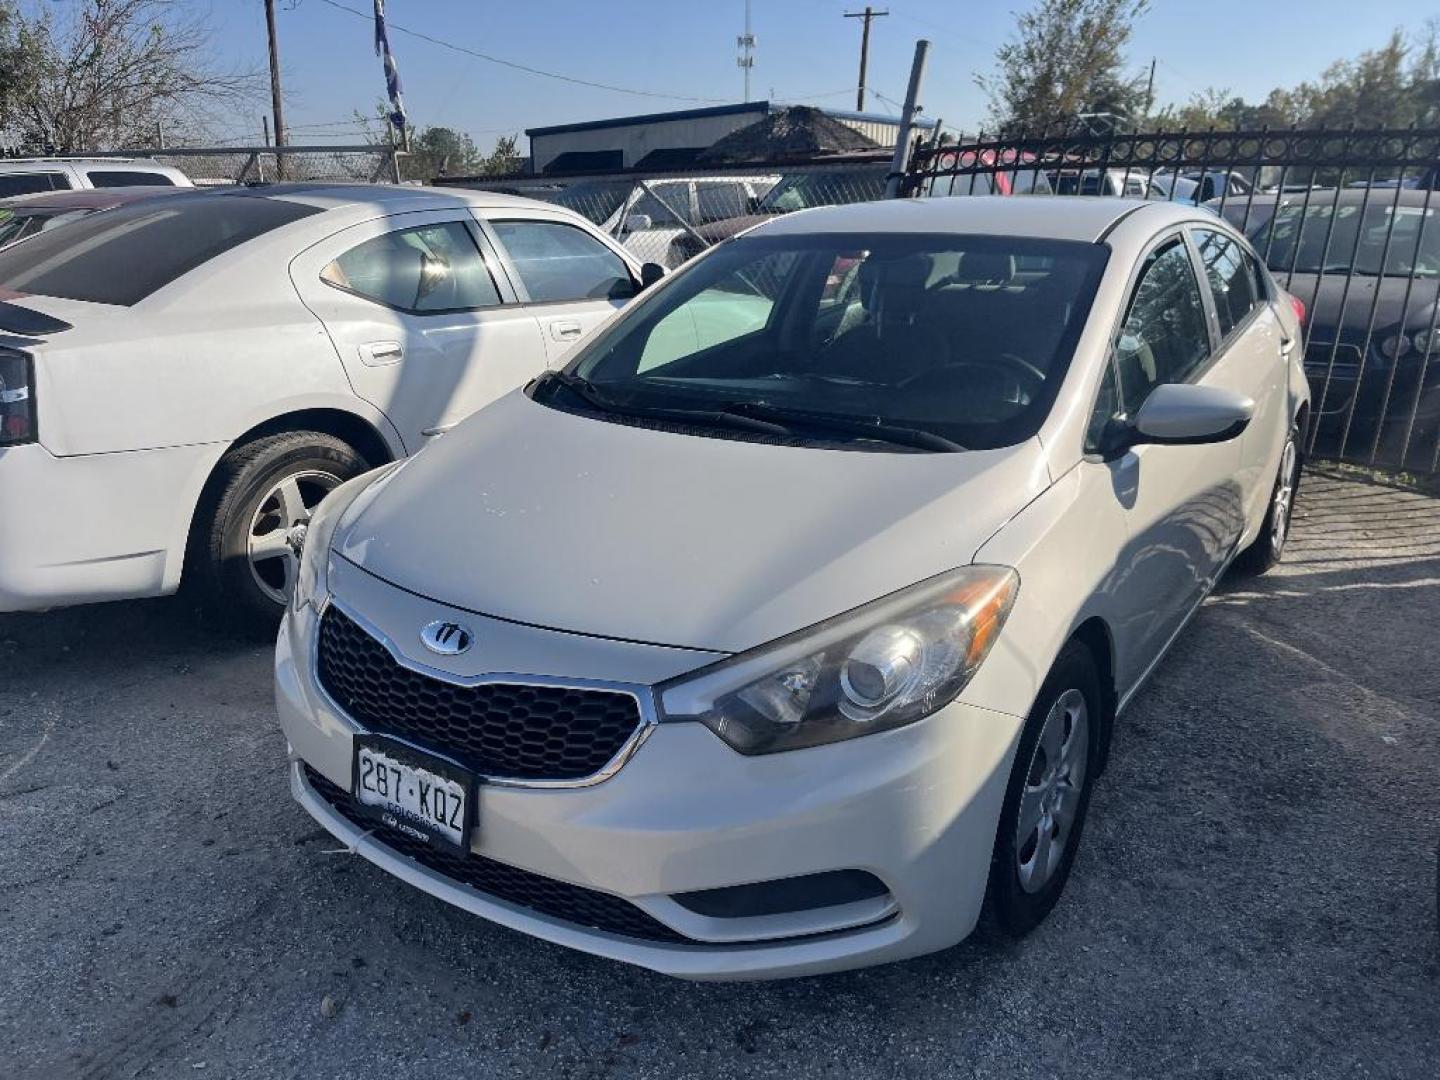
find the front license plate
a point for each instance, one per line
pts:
(423, 796)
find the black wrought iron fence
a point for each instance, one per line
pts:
(1346, 221)
(668, 217)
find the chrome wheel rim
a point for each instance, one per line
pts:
(277, 530)
(1284, 497)
(1050, 799)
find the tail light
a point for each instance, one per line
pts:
(17, 398)
(1299, 307)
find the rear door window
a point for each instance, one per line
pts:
(429, 269)
(108, 178)
(719, 200)
(29, 183)
(125, 254)
(1232, 279)
(557, 261)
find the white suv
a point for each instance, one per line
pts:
(27, 176)
(182, 379)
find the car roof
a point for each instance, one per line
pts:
(393, 198)
(90, 198)
(1057, 217)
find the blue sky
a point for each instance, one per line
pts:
(685, 49)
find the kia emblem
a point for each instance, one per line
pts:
(447, 638)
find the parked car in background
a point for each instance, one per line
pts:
(26, 215)
(1121, 183)
(1201, 186)
(646, 215)
(1366, 263)
(795, 191)
(1249, 212)
(184, 378)
(801, 640)
(26, 176)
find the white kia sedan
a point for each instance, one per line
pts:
(182, 379)
(785, 629)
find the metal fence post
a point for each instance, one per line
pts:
(901, 160)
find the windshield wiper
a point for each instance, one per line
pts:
(863, 426)
(586, 392)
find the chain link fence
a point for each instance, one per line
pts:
(668, 217)
(215, 166)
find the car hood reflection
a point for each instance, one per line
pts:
(543, 517)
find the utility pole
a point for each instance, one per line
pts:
(1150, 91)
(275, 102)
(901, 160)
(746, 44)
(867, 16)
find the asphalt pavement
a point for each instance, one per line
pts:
(1255, 896)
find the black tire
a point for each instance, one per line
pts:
(1269, 547)
(231, 593)
(1014, 908)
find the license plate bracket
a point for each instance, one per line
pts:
(416, 794)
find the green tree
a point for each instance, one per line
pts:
(1393, 86)
(1065, 67)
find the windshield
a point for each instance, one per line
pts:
(955, 339)
(17, 226)
(804, 190)
(1334, 239)
(125, 254)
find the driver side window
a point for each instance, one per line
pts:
(1165, 337)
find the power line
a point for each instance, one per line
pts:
(518, 66)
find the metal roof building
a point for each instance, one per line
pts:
(670, 139)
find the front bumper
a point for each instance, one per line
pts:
(916, 807)
(94, 526)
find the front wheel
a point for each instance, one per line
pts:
(1048, 795)
(1269, 546)
(249, 530)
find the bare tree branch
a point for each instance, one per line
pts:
(102, 74)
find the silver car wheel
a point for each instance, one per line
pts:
(1284, 497)
(277, 530)
(1050, 799)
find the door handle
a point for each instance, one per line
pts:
(566, 329)
(380, 353)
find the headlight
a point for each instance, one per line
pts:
(311, 582)
(878, 667)
(1395, 346)
(1427, 341)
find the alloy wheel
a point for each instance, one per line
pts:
(277, 530)
(1054, 782)
(1284, 497)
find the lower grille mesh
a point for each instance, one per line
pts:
(545, 896)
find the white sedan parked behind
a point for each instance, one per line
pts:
(789, 622)
(183, 379)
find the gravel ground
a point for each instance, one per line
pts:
(1255, 896)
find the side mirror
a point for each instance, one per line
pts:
(650, 273)
(638, 223)
(1182, 414)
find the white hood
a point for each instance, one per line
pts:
(527, 513)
